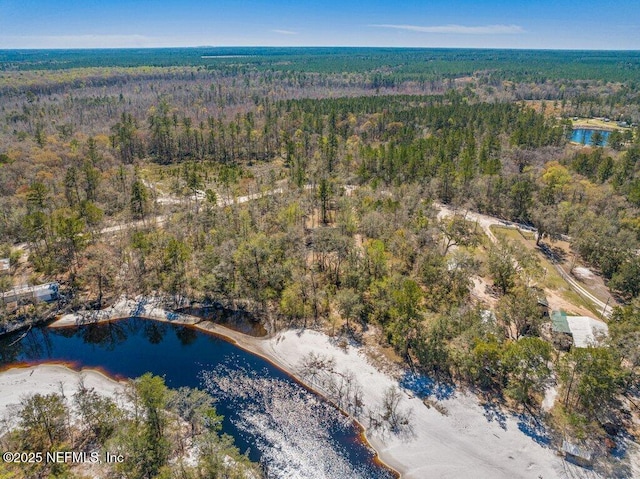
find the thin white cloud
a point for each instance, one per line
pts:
(458, 29)
(284, 32)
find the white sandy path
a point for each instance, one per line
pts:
(17, 383)
(462, 444)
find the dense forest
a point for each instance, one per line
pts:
(396, 64)
(310, 188)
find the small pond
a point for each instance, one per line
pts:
(585, 136)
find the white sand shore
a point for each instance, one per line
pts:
(469, 441)
(463, 443)
(17, 383)
(125, 308)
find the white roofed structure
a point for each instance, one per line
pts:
(41, 292)
(585, 331)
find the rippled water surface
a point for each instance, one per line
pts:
(291, 431)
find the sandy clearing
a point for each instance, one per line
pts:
(17, 383)
(558, 303)
(464, 443)
(583, 273)
(480, 291)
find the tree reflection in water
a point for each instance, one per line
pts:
(107, 335)
(154, 331)
(30, 345)
(186, 335)
(238, 320)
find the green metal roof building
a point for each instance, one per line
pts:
(559, 322)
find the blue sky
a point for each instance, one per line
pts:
(556, 24)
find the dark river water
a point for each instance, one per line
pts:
(292, 432)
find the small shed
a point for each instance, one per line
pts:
(577, 454)
(31, 294)
(583, 330)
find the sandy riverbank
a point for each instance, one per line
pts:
(467, 440)
(149, 309)
(16, 383)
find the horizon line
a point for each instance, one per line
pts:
(390, 47)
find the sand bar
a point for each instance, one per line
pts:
(17, 383)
